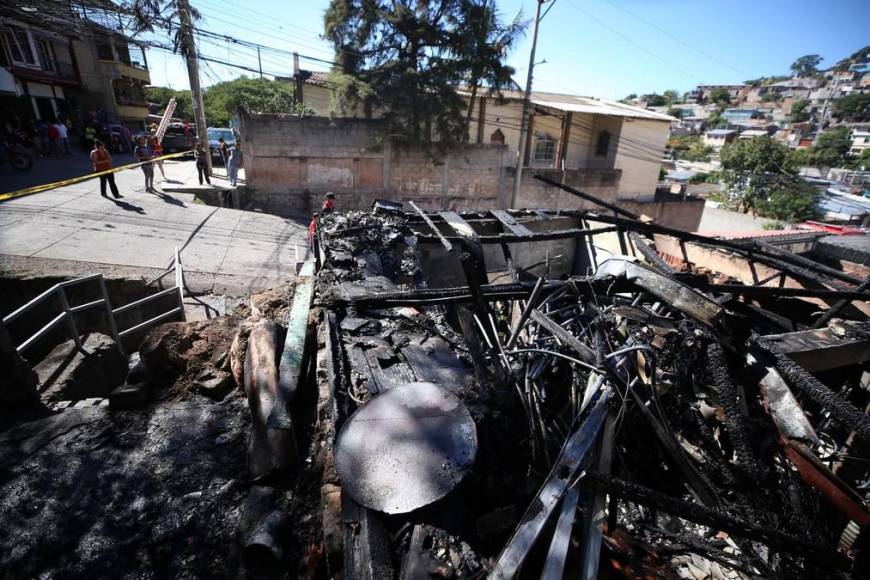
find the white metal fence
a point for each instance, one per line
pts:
(68, 312)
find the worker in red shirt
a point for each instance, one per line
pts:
(312, 231)
(328, 203)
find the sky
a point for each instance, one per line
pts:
(601, 48)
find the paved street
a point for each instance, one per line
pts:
(74, 231)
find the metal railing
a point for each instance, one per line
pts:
(68, 312)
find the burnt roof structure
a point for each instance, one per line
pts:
(646, 401)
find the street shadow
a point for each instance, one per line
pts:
(169, 199)
(128, 206)
(175, 181)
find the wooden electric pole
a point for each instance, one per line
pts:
(188, 49)
(524, 122)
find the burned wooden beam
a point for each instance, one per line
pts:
(508, 221)
(844, 343)
(574, 454)
(458, 225)
(444, 241)
(719, 520)
(566, 234)
(777, 292)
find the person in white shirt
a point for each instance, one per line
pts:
(63, 140)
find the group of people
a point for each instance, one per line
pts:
(52, 139)
(148, 152)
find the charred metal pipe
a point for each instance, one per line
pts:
(269, 449)
(850, 416)
(261, 524)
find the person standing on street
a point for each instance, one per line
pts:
(53, 137)
(223, 149)
(101, 160)
(63, 138)
(199, 153)
(90, 135)
(234, 162)
(158, 152)
(143, 152)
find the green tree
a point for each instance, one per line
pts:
(655, 100)
(799, 112)
(720, 96)
(690, 148)
(760, 177)
(671, 97)
(856, 56)
(257, 95)
(716, 120)
(862, 162)
(407, 58)
(832, 146)
(806, 65)
(161, 96)
(853, 107)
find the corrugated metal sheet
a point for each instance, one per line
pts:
(590, 106)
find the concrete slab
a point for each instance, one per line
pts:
(239, 251)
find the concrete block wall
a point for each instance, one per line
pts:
(602, 183)
(291, 162)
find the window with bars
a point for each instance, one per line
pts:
(545, 148)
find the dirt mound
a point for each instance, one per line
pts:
(184, 357)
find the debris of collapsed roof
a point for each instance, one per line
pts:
(629, 420)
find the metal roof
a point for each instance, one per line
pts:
(588, 105)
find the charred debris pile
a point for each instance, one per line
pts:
(619, 416)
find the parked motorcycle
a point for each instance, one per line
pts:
(14, 151)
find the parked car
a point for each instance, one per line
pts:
(215, 133)
(177, 139)
(116, 141)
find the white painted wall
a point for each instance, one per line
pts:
(641, 148)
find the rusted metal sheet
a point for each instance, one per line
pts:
(829, 485)
(843, 343)
(406, 448)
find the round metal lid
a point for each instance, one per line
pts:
(406, 448)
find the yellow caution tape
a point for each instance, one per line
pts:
(72, 180)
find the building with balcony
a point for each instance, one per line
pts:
(114, 71)
(39, 75)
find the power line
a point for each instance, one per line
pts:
(631, 41)
(677, 39)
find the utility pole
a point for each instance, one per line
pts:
(524, 123)
(259, 62)
(188, 48)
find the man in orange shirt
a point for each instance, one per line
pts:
(101, 160)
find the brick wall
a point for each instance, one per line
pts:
(291, 162)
